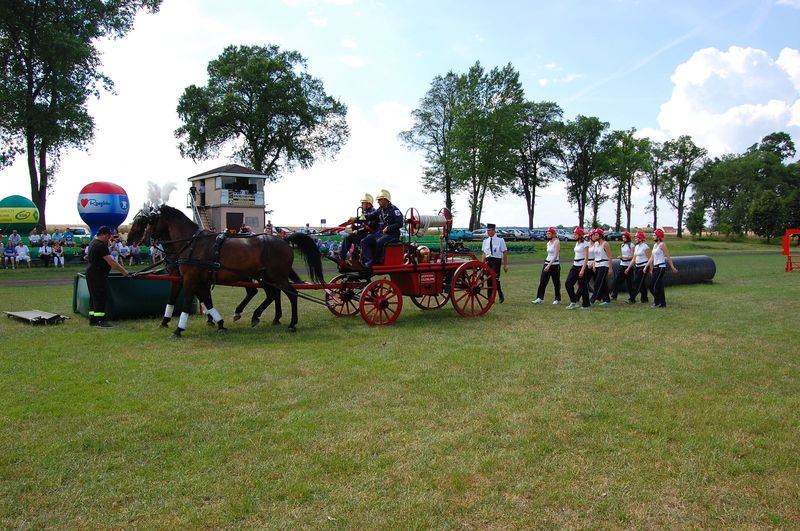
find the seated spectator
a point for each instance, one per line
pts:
(13, 239)
(136, 258)
(10, 256)
(46, 254)
(57, 237)
(69, 239)
(156, 254)
(113, 247)
(34, 238)
(23, 254)
(58, 254)
(45, 238)
(84, 251)
(124, 252)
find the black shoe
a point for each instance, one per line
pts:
(103, 324)
(629, 301)
(502, 299)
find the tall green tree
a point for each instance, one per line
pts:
(766, 215)
(260, 101)
(539, 153)
(487, 133)
(434, 120)
(696, 219)
(579, 141)
(624, 158)
(685, 157)
(50, 69)
(655, 174)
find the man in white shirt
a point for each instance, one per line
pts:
(495, 253)
(23, 254)
(46, 253)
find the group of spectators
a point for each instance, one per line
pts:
(50, 248)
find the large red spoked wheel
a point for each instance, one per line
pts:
(344, 301)
(473, 289)
(430, 302)
(381, 302)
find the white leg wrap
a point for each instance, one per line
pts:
(214, 313)
(168, 311)
(183, 320)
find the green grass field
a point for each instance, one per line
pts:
(531, 416)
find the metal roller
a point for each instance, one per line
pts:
(691, 270)
(418, 224)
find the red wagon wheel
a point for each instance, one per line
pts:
(473, 289)
(430, 302)
(343, 301)
(381, 302)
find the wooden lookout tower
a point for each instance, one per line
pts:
(228, 197)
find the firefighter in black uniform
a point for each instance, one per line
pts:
(368, 227)
(100, 264)
(390, 221)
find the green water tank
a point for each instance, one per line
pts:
(130, 298)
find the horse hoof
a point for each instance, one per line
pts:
(222, 330)
(276, 322)
(175, 335)
(254, 322)
(165, 323)
(292, 329)
(210, 322)
(237, 316)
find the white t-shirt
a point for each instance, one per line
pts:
(23, 253)
(658, 255)
(640, 252)
(600, 256)
(551, 251)
(579, 247)
(627, 252)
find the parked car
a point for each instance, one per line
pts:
(479, 234)
(537, 235)
(282, 231)
(460, 234)
(565, 235)
(613, 236)
(516, 234)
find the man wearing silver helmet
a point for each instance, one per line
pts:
(390, 221)
(354, 238)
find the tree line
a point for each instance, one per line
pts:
(479, 135)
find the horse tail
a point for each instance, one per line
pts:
(308, 249)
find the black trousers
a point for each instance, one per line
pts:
(497, 265)
(639, 284)
(97, 283)
(620, 278)
(555, 275)
(657, 286)
(600, 285)
(353, 239)
(572, 277)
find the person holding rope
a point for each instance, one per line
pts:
(577, 273)
(641, 255)
(100, 265)
(658, 264)
(390, 221)
(551, 269)
(368, 227)
(495, 253)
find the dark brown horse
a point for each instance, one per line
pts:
(205, 258)
(139, 234)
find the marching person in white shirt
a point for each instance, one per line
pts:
(641, 255)
(602, 265)
(551, 269)
(577, 273)
(625, 258)
(658, 264)
(495, 253)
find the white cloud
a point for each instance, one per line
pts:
(353, 61)
(728, 100)
(543, 82)
(349, 44)
(791, 3)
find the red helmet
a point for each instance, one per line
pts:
(640, 235)
(551, 230)
(659, 233)
(600, 232)
(578, 231)
(626, 234)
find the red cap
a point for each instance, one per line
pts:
(578, 231)
(551, 229)
(640, 235)
(659, 233)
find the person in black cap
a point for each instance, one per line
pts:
(100, 264)
(495, 253)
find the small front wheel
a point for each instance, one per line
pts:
(430, 302)
(381, 302)
(344, 300)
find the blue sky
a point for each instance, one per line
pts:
(725, 72)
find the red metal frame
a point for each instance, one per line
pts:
(792, 260)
